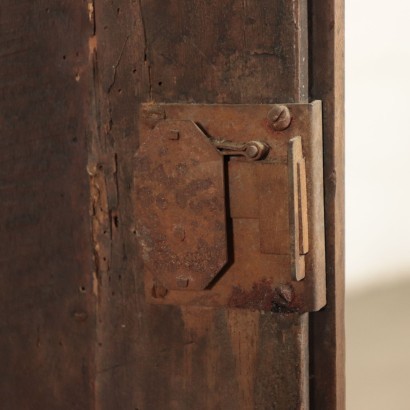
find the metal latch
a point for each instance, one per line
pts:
(252, 150)
(229, 206)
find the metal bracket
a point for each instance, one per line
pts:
(234, 220)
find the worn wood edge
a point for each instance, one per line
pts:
(115, 63)
(327, 338)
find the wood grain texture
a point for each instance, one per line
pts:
(76, 332)
(157, 357)
(327, 83)
(231, 51)
(47, 319)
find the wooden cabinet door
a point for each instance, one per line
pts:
(76, 331)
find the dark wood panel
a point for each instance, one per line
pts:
(327, 83)
(47, 304)
(158, 357)
(229, 51)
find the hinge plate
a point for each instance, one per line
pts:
(220, 230)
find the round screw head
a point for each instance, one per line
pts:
(286, 293)
(279, 117)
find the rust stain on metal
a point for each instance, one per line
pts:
(181, 208)
(181, 205)
(265, 297)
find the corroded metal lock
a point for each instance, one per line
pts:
(229, 209)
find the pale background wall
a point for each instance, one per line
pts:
(377, 204)
(377, 140)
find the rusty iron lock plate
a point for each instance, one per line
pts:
(229, 205)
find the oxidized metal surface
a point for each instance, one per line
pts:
(180, 206)
(275, 262)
